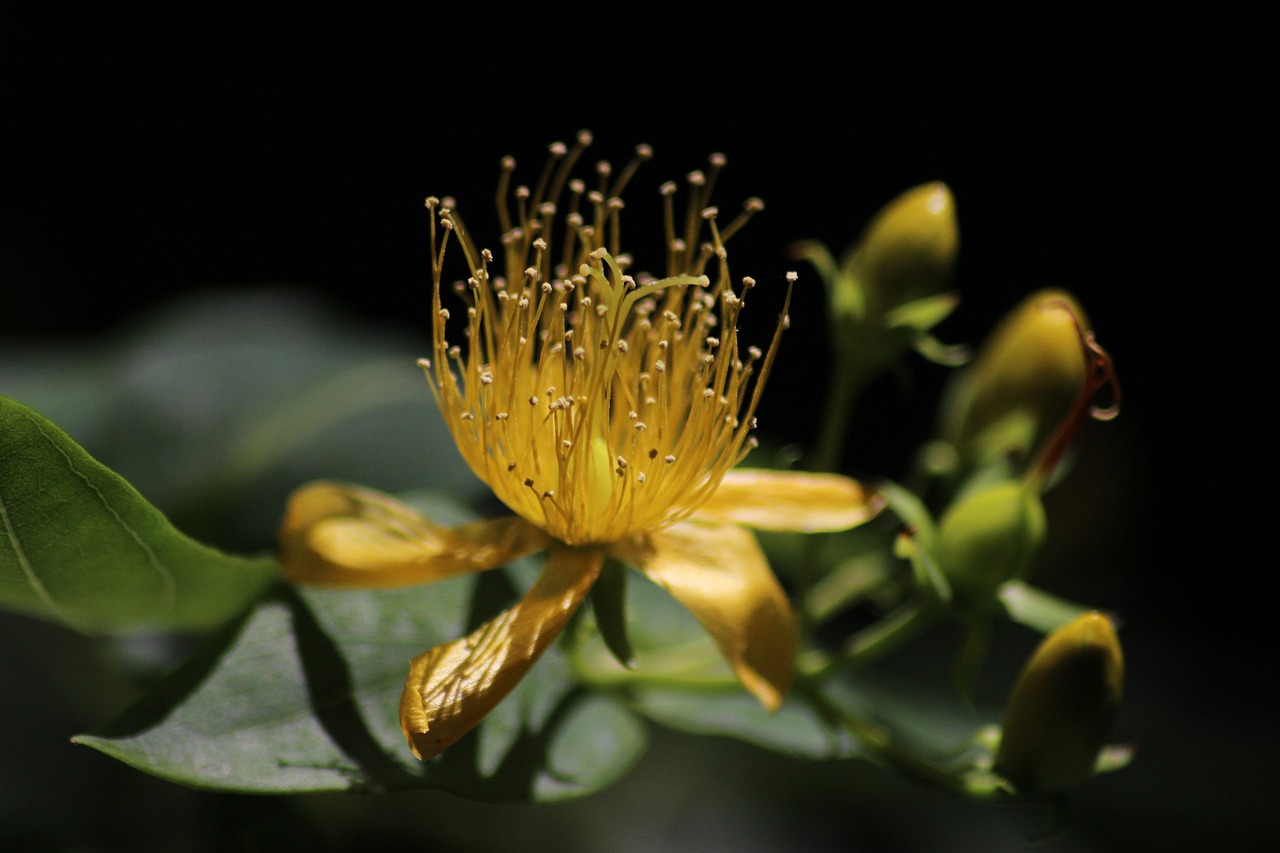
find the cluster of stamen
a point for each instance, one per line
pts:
(595, 403)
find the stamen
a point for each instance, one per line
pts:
(526, 330)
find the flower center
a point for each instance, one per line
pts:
(596, 404)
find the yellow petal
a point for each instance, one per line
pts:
(791, 500)
(719, 572)
(342, 535)
(451, 687)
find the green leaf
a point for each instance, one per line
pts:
(924, 313)
(80, 546)
(680, 680)
(216, 406)
(796, 729)
(912, 511)
(608, 600)
(1036, 608)
(303, 695)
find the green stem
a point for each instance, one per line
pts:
(843, 389)
(875, 641)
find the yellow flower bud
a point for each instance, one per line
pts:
(908, 250)
(988, 538)
(1062, 707)
(1024, 380)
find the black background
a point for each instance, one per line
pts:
(1122, 159)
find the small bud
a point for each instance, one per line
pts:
(889, 289)
(908, 250)
(1023, 381)
(989, 537)
(1062, 707)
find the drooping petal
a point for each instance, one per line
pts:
(342, 535)
(791, 501)
(719, 572)
(451, 687)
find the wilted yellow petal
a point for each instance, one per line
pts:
(791, 500)
(719, 572)
(451, 687)
(342, 535)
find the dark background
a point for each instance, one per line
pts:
(1124, 160)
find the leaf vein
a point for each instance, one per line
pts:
(170, 591)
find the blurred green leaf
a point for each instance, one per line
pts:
(303, 695)
(80, 546)
(680, 680)
(1036, 608)
(912, 511)
(796, 729)
(923, 314)
(217, 406)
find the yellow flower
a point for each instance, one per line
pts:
(606, 412)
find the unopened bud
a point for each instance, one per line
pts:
(1023, 381)
(1062, 707)
(988, 538)
(888, 291)
(908, 250)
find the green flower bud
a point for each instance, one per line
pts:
(1062, 707)
(908, 250)
(987, 538)
(1023, 382)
